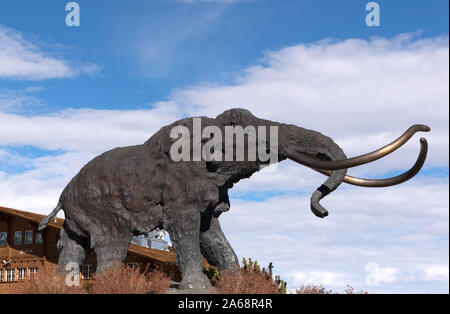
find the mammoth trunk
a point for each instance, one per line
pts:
(320, 147)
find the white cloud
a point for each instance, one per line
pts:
(328, 279)
(38, 188)
(85, 129)
(17, 101)
(362, 93)
(20, 59)
(379, 274)
(80, 134)
(436, 272)
(34, 88)
(402, 228)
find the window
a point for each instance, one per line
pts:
(39, 238)
(33, 271)
(29, 237)
(3, 238)
(18, 238)
(1, 275)
(10, 274)
(86, 271)
(132, 265)
(21, 273)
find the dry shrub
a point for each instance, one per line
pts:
(351, 290)
(241, 281)
(320, 289)
(313, 289)
(123, 279)
(46, 281)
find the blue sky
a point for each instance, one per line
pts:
(70, 93)
(195, 42)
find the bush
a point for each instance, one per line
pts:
(313, 289)
(46, 281)
(320, 289)
(247, 280)
(351, 290)
(117, 279)
(122, 279)
(240, 281)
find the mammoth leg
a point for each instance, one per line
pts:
(214, 245)
(112, 251)
(72, 248)
(183, 226)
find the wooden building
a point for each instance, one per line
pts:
(24, 250)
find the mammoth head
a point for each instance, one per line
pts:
(336, 167)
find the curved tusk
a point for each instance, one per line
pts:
(359, 160)
(389, 181)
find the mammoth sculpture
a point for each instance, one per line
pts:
(133, 190)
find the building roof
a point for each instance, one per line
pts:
(161, 256)
(31, 216)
